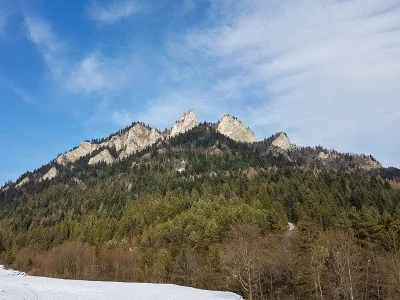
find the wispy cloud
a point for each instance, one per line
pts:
(89, 74)
(188, 5)
(27, 98)
(112, 12)
(325, 71)
(49, 45)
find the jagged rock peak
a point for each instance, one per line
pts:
(282, 142)
(236, 130)
(103, 156)
(52, 173)
(187, 122)
(23, 182)
(138, 138)
(84, 149)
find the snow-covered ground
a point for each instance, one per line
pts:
(18, 286)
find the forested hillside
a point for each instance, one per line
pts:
(202, 210)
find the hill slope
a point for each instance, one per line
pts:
(199, 208)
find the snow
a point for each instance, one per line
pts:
(18, 286)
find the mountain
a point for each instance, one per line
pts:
(139, 136)
(203, 205)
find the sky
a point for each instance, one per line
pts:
(326, 72)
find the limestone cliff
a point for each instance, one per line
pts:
(187, 122)
(236, 130)
(23, 182)
(138, 138)
(103, 156)
(52, 173)
(84, 149)
(282, 142)
(324, 156)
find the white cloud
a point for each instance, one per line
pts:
(23, 95)
(325, 71)
(112, 12)
(49, 45)
(89, 74)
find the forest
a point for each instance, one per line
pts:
(221, 223)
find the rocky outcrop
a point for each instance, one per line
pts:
(187, 122)
(23, 182)
(367, 163)
(214, 150)
(5, 189)
(236, 130)
(103, 156)
(326, 156)
(84, 149)
(282, 142)
(52, 173)
(138, 138)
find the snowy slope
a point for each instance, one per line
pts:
(17, 286)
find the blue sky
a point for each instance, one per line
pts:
(324, 71)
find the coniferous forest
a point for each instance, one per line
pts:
(202, 210)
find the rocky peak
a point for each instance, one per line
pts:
(84, 149)
(367, 163)
(138, 138)
(187, 122)
(236, 130)
(52, 173)
(282, 142)
(103, 156)
(23, 182)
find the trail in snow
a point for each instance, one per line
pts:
(18, 286)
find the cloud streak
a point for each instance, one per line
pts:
(113, 12)
(92, 73)
(325, 71)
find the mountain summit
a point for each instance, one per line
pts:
(138, 137)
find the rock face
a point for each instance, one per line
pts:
(84, 149)
(5, 189)
(187, 122)
(282, 142)
(368, 163)
(236, 130)
(137, 138)
(325, 156)
(23, 182)
(52, 173)
(103, 156)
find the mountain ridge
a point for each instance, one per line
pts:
(139, 136)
